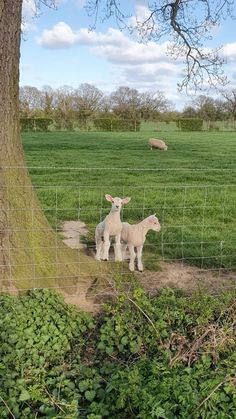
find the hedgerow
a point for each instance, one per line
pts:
(190, 124)
(112, 124)
(167, 357)
(35, 124)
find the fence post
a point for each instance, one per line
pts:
(111, 125)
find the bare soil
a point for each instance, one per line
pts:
(187, 278)
(72, 232)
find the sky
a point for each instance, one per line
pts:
(57, 49)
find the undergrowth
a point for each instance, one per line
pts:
(167, 357)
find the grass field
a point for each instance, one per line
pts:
(191, 187)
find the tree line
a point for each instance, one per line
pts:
(67, 105)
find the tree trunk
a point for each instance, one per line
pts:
(31, 253)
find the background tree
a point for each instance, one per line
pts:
(64, 114)
(48, 101)
(31, 101)
(189, 112)
(125, 102)
(152, 104)
(87, 102)
(207, 108)
(230, 102)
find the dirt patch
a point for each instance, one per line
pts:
(81, 300)
(72, 232)
(186, 278)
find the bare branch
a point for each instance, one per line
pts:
(188, 24)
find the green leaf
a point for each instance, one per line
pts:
(24, 396)
(89, 395)
(109, 350)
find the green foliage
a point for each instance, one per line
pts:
(190, 124)
(109, 124)
(167, 357)
(36, 333)
(35, 124)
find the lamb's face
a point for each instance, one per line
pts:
(154, 223)
(116, 203)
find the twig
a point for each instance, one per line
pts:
(55, 402)
(213, 391)
(8, 408)
(145, 314)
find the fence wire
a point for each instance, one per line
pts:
(198, 226)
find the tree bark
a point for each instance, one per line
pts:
(31, 253)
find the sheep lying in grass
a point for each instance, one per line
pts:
(134, 235)
(110, 226)
(155, 143)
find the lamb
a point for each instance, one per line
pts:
(110, 226)
(155, 143)
(134, 236)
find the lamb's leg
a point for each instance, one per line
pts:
(106, 246)
(132, 257)
(123, 250)
(99, 248)
(118, 255)
(139, 257)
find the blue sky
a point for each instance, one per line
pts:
(58, 50)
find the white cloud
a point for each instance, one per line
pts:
(133, 52)
(133, 63)
(80, 3)
(29, 8)
(229, 51)
(29, 11)
(142, 13)
(113, 44)
(60, 36)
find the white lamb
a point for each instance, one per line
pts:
(110, 226)
(155, 143)
(134, 235)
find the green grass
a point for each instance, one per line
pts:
(191, 187)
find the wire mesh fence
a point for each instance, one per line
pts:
(198, 226)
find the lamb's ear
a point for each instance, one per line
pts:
(109, 198)
(126, 200)
(152, 218)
